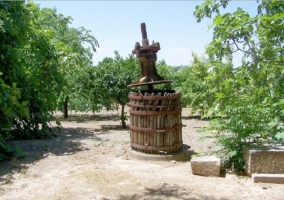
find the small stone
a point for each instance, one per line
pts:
(206, 166)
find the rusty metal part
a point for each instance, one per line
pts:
(143, 30)
(162, 130)
(152, 113)
(175, 147)
(147, 57)
(152, 98)
(150, 106)
(136, 84)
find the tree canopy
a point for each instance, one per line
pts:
(248, 98)
(106, 83)
(38, 54)
(46, 65)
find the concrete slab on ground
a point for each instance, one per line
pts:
(268, 178)
(264, 159)
(183, 155)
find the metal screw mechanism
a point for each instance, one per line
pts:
(147, 57)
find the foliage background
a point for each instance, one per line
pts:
(248, 103)
(38, 62)
(46, 65)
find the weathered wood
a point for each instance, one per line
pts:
(164, 122)
(132, 121)
(150, 134)
(169, 122)
(158, 135)
(135, 124)
(155, 122)
(179, 119)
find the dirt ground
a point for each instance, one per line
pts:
(88, 161)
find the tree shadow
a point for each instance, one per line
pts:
(81, 118)
(199, 117)
(167, 191)
(112, 127)
(66, 143)
(223, 173)
(192, 117)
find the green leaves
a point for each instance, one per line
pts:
(14, 27)
(218, 19)
(107, 82)
(249, 97)
(40, 56)
(194, 86)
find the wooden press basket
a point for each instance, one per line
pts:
(155, 121)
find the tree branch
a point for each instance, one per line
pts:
(238, 48)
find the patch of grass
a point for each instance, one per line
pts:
(198, 154)
(8, 178)
(23, 171)
(106, 180)
(46, 147)
(123, 142)
(99, 143)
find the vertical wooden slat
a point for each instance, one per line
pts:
(169, 121)
(164, 122)
(142, 133)
(170, 103)
(175, 119)
(140, 136)
(155, 141)
(158, 122)
(131, 119)
(146, 123)
(150, 125)
(134, 123)
(179, 118)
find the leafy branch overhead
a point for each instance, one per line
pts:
(106, 83)
(249, 96)
(39, 55)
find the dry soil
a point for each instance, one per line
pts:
(88, 161)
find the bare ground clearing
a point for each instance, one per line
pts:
(88, 161)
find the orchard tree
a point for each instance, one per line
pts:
(74, 56)
(14, 28)
(167, 72)
(30, 76)
(28, 66)
(195, 89)
(107, 82)
(249, 100)
(32, 73)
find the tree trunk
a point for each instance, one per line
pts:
(66, 108)
(122, 116)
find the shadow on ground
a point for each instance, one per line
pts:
(66, 143)
(80, 118)
(167, 191)
(113, 127)
(199, 117)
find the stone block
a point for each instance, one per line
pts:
(268, 178)
(264, 159)
(206, 166)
